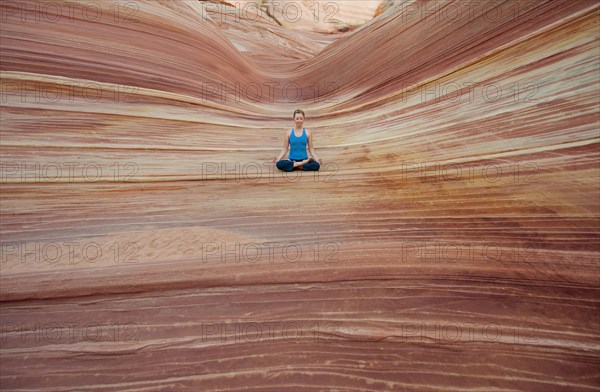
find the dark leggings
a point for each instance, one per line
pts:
(288, 165)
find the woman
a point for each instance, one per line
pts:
(297, 143)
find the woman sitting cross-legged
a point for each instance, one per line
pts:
(297, 145)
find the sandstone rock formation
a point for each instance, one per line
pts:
(449, 242)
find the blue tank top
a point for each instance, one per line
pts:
(298, 145)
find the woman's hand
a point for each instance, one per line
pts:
(276, 159)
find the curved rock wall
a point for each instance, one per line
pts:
(449, 241)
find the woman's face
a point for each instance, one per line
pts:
(299, 120)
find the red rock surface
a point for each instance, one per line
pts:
(450, 241)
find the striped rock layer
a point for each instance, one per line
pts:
(449, 242)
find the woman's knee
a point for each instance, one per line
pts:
(284, 165)
(312, 166)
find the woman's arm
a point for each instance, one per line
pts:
(284, 148)
(311, 148)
